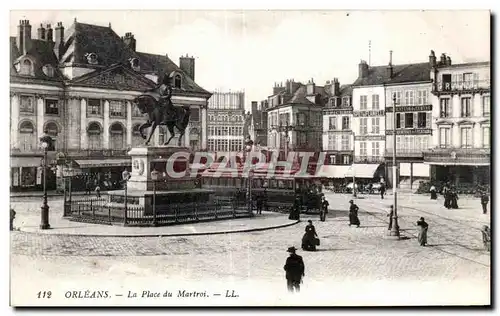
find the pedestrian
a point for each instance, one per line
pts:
(486, 231)
(259, 204)
(446, 194)
(310, 239)
(453, 199)
(98, 191)
(324, 209)
(484, 201)
(391, 215)
(294, 268)
(353, 214)
(12, 217)
(422, 234)
(433, 192)
(382, 190)
(88, 187)
(295, 211)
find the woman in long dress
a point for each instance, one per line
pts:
(422, 234)
(433, 193)
(353, 214)
(309, 238)
(454, 199)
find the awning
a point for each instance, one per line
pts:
(362, 170)
(16, 162)
(458, 163)
(327, 171)
(96, 163)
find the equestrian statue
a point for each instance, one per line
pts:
(157, 104)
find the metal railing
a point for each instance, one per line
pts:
(97, 153)
(369, 159)
(463, 85)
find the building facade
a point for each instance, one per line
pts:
(338, 136)
(258, 124)
(295, 117)
(461, 100)
(226, 120)
(77, 85)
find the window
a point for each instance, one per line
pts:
(211, 145)
(444, 137)
(345, 123)
(466, 107)
(136, 136)
(363, 102)
(422, 120)
(346, 101)
(332, 142)
(396, 94)
(301, 118)
(135, 111)
(363, 153)
(486, 136)
(444, 108)
(346, 142)
(346, 160)
(117, 134)
(446, 84)
(195, 115)
(468, 80)
(363, 126)
(408, 120)
(466, 137)
(375, 125)
(486, 105)
(52, 131)
(375, 149)
(409, 97)
(27, 136)
(26, 66)
(332, 159)
(399, 120)
(177, 81)
(422, 96)
(116, 108)
(48, 70)
(375, 102)
(27, 104)
(333, 123)
(94, 107)
(94, 135)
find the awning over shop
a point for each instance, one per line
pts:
(458, 163)
(362, 170)
(16, 162)
(97, 163)
(328, 171)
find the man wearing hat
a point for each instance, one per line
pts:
(294, 268)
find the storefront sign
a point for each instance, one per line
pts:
(337, 112)
(416, 108)
(410, 131)
(368, 113)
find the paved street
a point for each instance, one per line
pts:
(356, 265)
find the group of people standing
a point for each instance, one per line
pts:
(450, 196)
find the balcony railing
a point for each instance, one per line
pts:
(464, 85)
(405, 152)
(97, 153)
(368, 159)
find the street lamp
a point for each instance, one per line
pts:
(395, 227)
(126, 177)
(46, 143)
(154, 177)
(248, 149)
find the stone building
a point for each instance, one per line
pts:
(258, 125)
(77, 85)
(461, 102)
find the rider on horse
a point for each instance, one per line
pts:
(165, 90)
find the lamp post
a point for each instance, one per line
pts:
(126, 177)
(353, 182)
(395, 227)
(46, 143)
(154, 177)
(248, 147)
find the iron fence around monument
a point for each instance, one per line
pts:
(101, 211)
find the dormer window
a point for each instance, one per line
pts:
(48, 70)
(134, 64)
(24, 67)
(177, 81)
(91, 58)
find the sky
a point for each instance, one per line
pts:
(251, 50)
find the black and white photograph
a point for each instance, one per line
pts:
(237, 157)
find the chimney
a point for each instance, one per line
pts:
(443, 59)
(59, 39)
(310, 87)
(432, 59)
(448, 61)
(129, 40)
(255, 106)
(186, 63)
(50, 33)
(336, 87)
(390, 69)
(23, 39)
(363, 69)
(41, 33)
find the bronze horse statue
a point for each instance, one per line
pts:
(150, 103)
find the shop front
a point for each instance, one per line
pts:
(26, 174)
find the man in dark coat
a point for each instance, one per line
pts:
(382, 190)
(12, 217)
(294, 268)
(484, 201)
